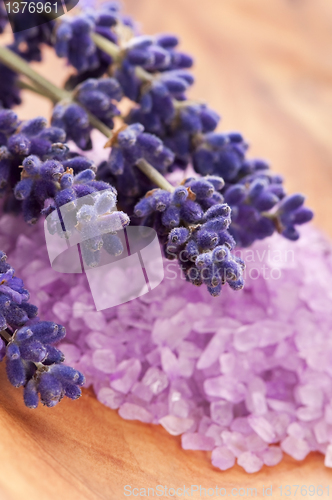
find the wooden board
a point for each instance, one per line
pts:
(266, 66)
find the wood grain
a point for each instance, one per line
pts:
(267, 67)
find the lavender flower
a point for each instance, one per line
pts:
(27, 344)
(193, 222)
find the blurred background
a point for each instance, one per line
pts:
(266, 67)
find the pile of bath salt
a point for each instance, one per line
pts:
(247, 375)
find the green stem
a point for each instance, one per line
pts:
(32, 88)
(106, 46)
(154, 175)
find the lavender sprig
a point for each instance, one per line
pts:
(27, 344)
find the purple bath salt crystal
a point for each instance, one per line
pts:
(296, 448)
(226, 388)
(214, 431)
(250, 462)
(196, 441)
(235, 441)
(175, 425)
(142, 391)
(130, 411)
(221, 412)
(328, 456)
(321, 431)
(110, 397)
(215, 347)
(125, 375)
(272, 456)
(255, 443)
(262, 427)
(155, 380)
(222, 458)
(104, 360)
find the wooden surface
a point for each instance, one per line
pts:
(266, 65)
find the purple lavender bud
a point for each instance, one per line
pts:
(19, 144)
(218, 210)
(50, 389)
(33, 350)
(181, 60)
(32, 165)
(90, 258)
(66, 181)
(215, 291)
(207, 240)
(23, 334)
(63, 33)
(203, 160)
(161, 58)
(216, 140)
(9, 121)
(140, 42)
(110, 87)
(191, 212)
(302, 215)
(140, 57)
(265, 201)
(53, 134)
(201, 188)
(291, 203)
(34, 126)
(235, 194)
(13, 351)
(204, 260)
(83, 190)
(65, 196)
(179, 235)
(94, 244)
(190, 120)
(85, 176)
(15, 316)
(149, 143)
(167, 41)
(174, 84)
(15, 372)
(79, 163)
(23, 189)
(171, 216)
(30, 309)
(67, 374)
(48, 332)
(221, 253)
(51, 170)
(159, 200)
(180, 194)
(105, 202)
(291, 233)
(30, 394)
(72, 391)
(217, 224)
(209, 119)
(192, 250)
(116, 161)
(53, 355)
(143, 208)
(112, 244)
(145, 102)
